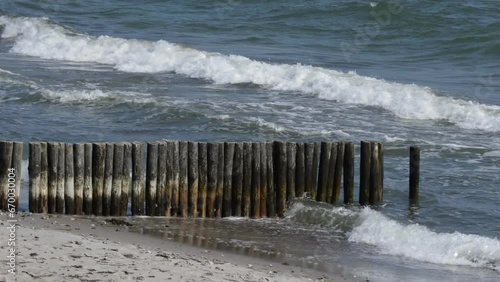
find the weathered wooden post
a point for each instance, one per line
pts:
(138, 178)
(35, 160)
(263, 179)
(291, 155)
(332, 171)
(6, 149)
(108, 179)
(127, 163)
(87, 180)
(52, 157)
(338, 172)
(300, 171)
(374, 174)
(162, 179)
(61, 178)
(247, 179)
(271, 190)
(151, 178)
(212, 167)
(17, 161)
(255, 198)
(79, 162)
(280, 173)
(193, 181)
(349, 173)
(202, 179)
(364, 169)
(414, 174)
(219, 192)
(98, 168)
(381, 173)
(183, 179)
(324, 166)
(44, 179)
(116, 192)
(309, 155)
(237, 183)
(228, 178)
(175, 177)
(69, 181)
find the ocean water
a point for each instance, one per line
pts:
(405, 73)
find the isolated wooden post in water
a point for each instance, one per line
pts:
(280, 173)
(228, 178)
(193, 180)
(44, 180)
(414, 173)
(34, 174)
(212, 167)
(61, 178)
(324, 164)
(219, 192)
(271, 189)
(247, 179)
(116, 192)
(17, 161)
(380, 193)
(338, 172)
(263, 179)
(374, 174)
(364, 170)
(98, 167)
(202, 179)
(300, 171)
(138, 178)
(6, 149)
(151, 178)
(255, 210)
(349, 173)
(291, 155)
(183, 179)
(52, 158)
(79, 162)
(127, 167)
(69, 181)
(175, 177)
(87, 180)
(332, 171)
(237, 182)
(108, 179)
(161, 185)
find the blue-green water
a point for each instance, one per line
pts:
(402, 72)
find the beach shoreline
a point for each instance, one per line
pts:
(68, 248)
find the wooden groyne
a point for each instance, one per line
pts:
(195, 179)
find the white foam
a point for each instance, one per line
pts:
(85, 95)
(418, 242)
(271, 125)
(492, 154)
(38, 37)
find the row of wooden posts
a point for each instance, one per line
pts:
(196, 179)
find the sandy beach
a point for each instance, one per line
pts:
(65, 248)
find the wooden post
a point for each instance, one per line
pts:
(174, 183)
(108, 179)
(237, 181)
(364, 169)
(280, 176)
(151, 178)
(308, 156)
(255, 209)
(414, 174)
(44, 180)
(315, 170)
(69, 181)
(17, 161)
(98, 167)
(87, 180)
(228, 178)
(183, 179)
(291, 164)
(212, 167)
(127, 167)
(374, 174)
(219, 192)
(349, 173)
(300, 171)
(271, 189)
(169, 179)
(263, 179)
(138, 178)
(332, 168)
(161, 185)
(324, 164)
(35, 160)
(247, 179)
(116, 192)
(6, 149)
(202, 179)
(381, 174)
(79, 162)
(193, 180)
(338, 172)
(61, 178)
(52, 157)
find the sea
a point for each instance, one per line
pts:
(405, 73)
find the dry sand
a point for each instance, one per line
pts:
(65, 248)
